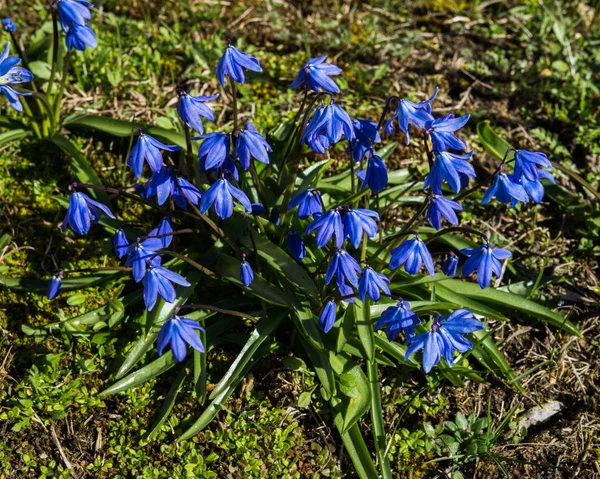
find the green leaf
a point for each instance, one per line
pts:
(70, 282)
(41, 70)
(344, 328)
(304, 399)
(494, 144)
(493, 359)
(449, 293)
(13, 135)
(352, 408)
(357, 450)
(364, 328)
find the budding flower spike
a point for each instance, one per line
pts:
(191, 110)
(296, 245)
(221, 194)
(308, 203)
(10, 74)
(73, 12)
(444, 338)
(232, 64)
(157, 281)
(246, 273)
(251, 144)
(398, 318)
(54, 286)
(375, 177)
(371, 282)
(528, 164)
(8, 25)
(120, 243)
(177, 332)
(412, 254)
(486, 260)
(358, 221)
(450, 265)
(449, 167)
(139, 254)
(344, 267)
(410, 112)
(505, 190)
(79, 37)
(441, 207)
(328, 225)
(365, 136)
(214, 149)
(148, 149)
(315, 75)
(327, 317)
(83, 212)
(441, 132)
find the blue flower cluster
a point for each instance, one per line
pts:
(73, 16)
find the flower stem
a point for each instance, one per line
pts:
(61, 89)
(377, 420)
(217, 310)
(55, 40)
(95, 270)
(189, 155)
(457, 228)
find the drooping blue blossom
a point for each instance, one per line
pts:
(535, 188)
(295, 245)
(185, 192)
(227, 168)
(358, 221)
(345, 290)
(412, 254)
(232, 64)
(375, 176)
(371, 283)
(444, 338)
(258, 209)
(449, 167)
(139, 254)
(79, 37)
(221, 194)
(165, 230)
(11, 74)
(120, 243)
(148, 149)
(83, 212)
(191, 110)
(410, 112)
(441, 207)
(8, 25)
(398, 318)
(505, 190)
(73, 12)
(166, 184)
(344, 267)
(450, 265)
(246, 273)
(251, 144)
(54, 286)
(528, 164)
(441, 131)
(330, 121)
(486, 260)
(315, 74)
(328, 225)
(178, 332)
(214, 149)
(308, 203)
(365, 137)
(327, 317)
(158, 282)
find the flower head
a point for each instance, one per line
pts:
(449, 167)
(412, 254)
(232, 64)
(505, 190)
(250, 143)
(191, 110)
(177, 332)
(441, 207)
(80, 37)
(486, 260)
(365, 137)
(328, 225)
(375, 176)
(165, 230)
(214, 150)
(327, 317)
(371, 283)
(358, 221)
(441, 132)
(308, 203)
(10, 74)
(83, 212)
(221, 194)
(164, 184)
(148, 149)
(344, 267)
(450, 265)
(535, 188)
(73, 12)
(120, 243)
(528, 164)
(139, 254)
(246, 273)
(410, 112)
(54, 286)
(315, 74)
(331, 122)
(8, 25)
(158, 281)
(397, 318)
(296, 245)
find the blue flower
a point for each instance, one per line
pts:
(345, 290)
(449, 167)
(164, 228)
(328, 224)
(371, 282)
(191, 110)
(157, 281)
(250, 143)
(316, 75)
(8, 25)
(486, 260)
(365, 136)
(83, 212)
(330, 121)
(54, 286)
(444, 338)
(228, 168)
(10, 74)
(177, 332)
(344, 267)
(441, 132)
(410, 112)
(148, 149)
(120, 243)
(397, 318)
(375, 176)
(296, 245)
(441, 207)
(232, 64)
(358, 221)
(184, 192)
(535, 188)
(79, 37)
(73, 12)
(214, 150)
(308, 202)
(412, 254)
(528, 164)
(327, 317)
(139, 254)
(505, 190)
(450, 265)
(221, 194)
(246, 273)
(165, 184)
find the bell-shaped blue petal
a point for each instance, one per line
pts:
(371, 283)
(365, 137)
(73, 12)
(534, 189)
(148, 149)
(120, 243)
(398, 318)
(344, 267)
(412, 254)
(331, 122)
(408, 112)
(232, 64)
(450, 265)
(505, 190)
(328, 225)
(375, 176)
(441, 131)
(79, 37)
(83, 212)
(316, 75)
(308, 203)
(158, 282)
(246, 273)
(139, 254)
(177, 333)
(221, 194)
(528, 164)
(8, 25)
(191, 110)
(185, 192)
(214, 150)
(327, 317)
(54, 286)
(440, 207)
(449, 167)
(296, 245)
(165, 231)
(251, 144)
(358, 221)
(486, 261)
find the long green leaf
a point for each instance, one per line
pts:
(13, 135)
(493, 360)
(364, 328)
(377, 420)
(70, 282)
